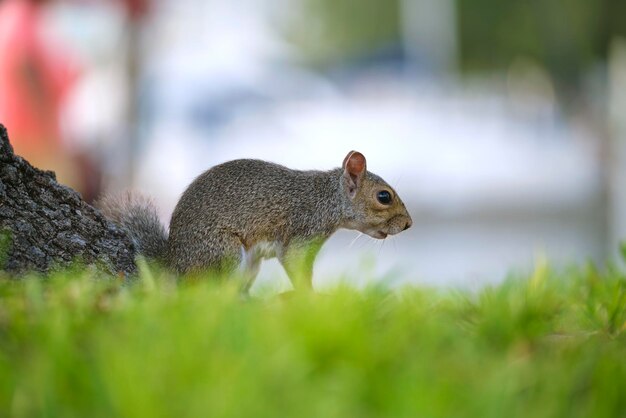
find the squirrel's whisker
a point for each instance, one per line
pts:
(355, 240)
(397, 182)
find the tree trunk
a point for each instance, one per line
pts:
(617, 123)
(49, 224)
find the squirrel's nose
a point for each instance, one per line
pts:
(408, 225)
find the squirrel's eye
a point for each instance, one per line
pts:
(384, 197)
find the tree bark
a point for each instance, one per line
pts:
(50, 225)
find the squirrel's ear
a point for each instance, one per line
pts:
(354, 167)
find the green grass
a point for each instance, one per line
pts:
(81, 344)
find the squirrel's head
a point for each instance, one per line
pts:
(377, 210)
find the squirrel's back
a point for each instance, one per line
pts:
(237, 194)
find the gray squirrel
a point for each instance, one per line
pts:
(240, 212)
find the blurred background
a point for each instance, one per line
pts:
(501, 124)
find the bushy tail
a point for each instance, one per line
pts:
(138, 215)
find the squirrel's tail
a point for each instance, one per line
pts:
(138, 215)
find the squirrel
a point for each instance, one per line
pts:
(240, 212)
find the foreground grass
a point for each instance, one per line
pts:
(78, 345)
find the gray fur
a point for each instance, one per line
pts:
(138, 215)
